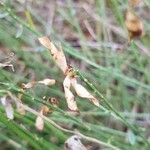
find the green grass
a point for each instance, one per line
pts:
(119, 79)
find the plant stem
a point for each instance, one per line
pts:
(110, 108)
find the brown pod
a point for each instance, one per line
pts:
(134, 3)
(45, 110)
(134, 25)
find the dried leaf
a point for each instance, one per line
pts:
(67, 82)
(134, 25)
(39, 123)
(68, 95)
(70, 100)
(46, 42)
(47, 82)
(74, 143)
(9, 111)
(8, 107)
(57, 55)
(82, 92)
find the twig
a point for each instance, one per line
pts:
(110, 108)
(97, 45)
(27, 108)
(125, 114)
(69, 131)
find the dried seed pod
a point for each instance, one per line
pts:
(74, 143)
(39, 123)
(47, 82)
(8, 107)
(57, 55)
(70, 74)
(31, 84)
(134, 25)
(68, 94)
(82, 92)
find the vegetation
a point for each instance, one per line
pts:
(109, 62)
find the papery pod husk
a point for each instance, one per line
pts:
(134, 25)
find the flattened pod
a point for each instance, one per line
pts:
(8, 107)
(72, 105)
(74, 143)
(39, 123)
(58, 55)
(134, 25)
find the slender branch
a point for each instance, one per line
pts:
(69, 131)
(110, 108)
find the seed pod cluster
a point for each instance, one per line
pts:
(70, 77)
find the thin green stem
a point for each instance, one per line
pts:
(114, 112)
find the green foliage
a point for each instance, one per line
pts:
(120, 80)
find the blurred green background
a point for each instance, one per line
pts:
(94, 40)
